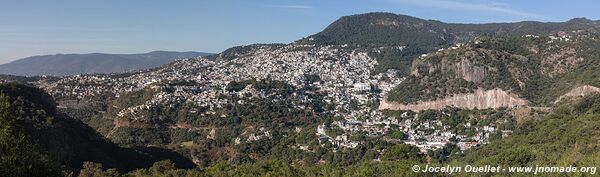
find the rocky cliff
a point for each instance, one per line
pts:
(467, 68)
(479, 99)
(578, 92)
(535, 68)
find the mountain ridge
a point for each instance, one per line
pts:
(72, 64)
(395, 22)
(417, 36)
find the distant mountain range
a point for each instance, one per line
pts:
(72, 64)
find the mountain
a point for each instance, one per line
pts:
(72, 64)
(537, 69)
(419, 36)
(395, 29)
(38, 140)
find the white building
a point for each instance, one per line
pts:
(362, 86)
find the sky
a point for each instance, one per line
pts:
(40, 27)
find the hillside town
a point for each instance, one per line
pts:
(344, 76)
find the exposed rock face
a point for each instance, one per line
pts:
(468, 71)
(578, 92)
(480, 99)
(469, 67)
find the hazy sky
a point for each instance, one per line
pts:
(37, 27)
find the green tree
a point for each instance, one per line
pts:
(402, 152)
(91, 169)
(17, 156)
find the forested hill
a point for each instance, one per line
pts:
(394, 29)
(37, 140)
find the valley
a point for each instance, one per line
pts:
(389, 92)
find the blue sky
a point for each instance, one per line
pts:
(37, 27)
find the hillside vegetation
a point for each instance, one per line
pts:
(37, 140)
(539, 69)
(566, 137)
(569, 136)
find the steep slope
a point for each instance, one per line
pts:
(495, 98)
(538, 69)
(569, 136)
(71, 64)
(578, 92)
(30, 117)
